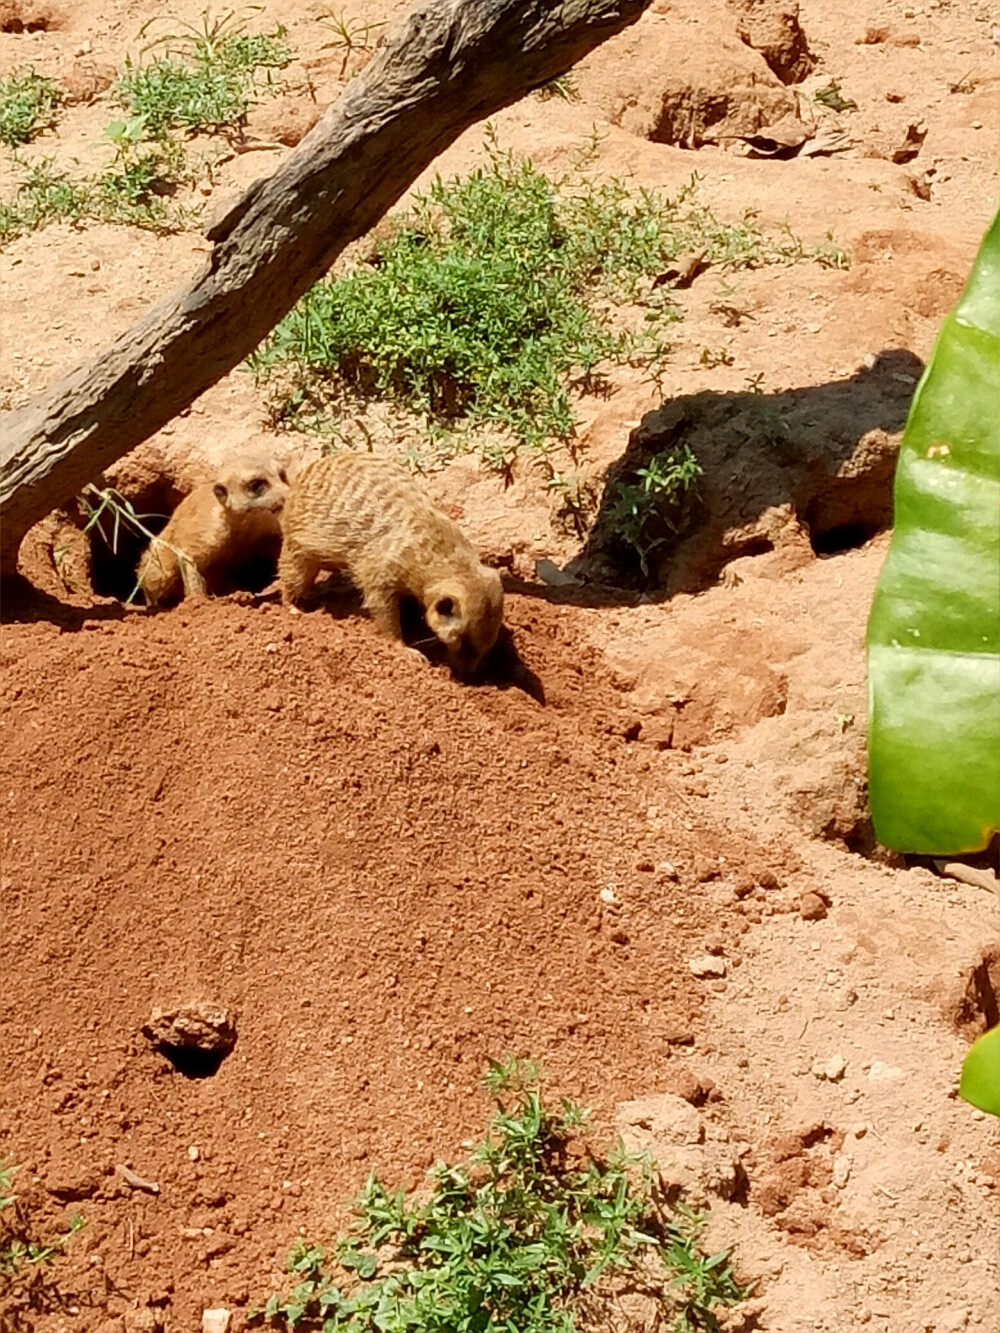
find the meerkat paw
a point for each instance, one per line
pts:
(413, 655)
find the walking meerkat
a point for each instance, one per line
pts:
(218, 527)
(367, 516)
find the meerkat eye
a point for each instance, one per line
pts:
(446, 608)
(258, 486)
(221, 494)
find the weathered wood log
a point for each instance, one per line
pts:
(445, 67)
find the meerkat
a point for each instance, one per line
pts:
(218, 527)
(367, 516)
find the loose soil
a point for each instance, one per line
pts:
(390, 877)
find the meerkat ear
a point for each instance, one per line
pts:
(221, 494)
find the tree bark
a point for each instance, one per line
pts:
(445, 67)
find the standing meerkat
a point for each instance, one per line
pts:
(218, 527)
(366, 515)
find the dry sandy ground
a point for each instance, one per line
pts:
(391, 877)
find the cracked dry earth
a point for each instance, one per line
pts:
(645, 859)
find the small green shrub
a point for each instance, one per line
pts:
(647, 512)
(28, 104)
(521, 1239)
(494, 302)
(205, 79)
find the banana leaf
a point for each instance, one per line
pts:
(980, 1083)
(934, 629)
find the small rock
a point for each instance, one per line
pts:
(608, 896)
(836, 1068)
(859, 1130)
(707, 966)
(667, 869)
(841, 1170)
(657, 732)
(215, 1321)
(880, 1072)
(143, 1320)
(812, 907)
(193, 1153)
(952, 1321)
(203, 1027)
(549, 572)
(832, 1069)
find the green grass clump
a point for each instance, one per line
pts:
(494, 302)
(28, 104)
(527, 1237)
(205, 79)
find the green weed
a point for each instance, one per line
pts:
(205, 79)
(349, 34)
(648, 512)
(493, 303)
(526, 1237)
(28, 104)
(44, 195)
(564, 86)
(20, 1250)
(831, 97)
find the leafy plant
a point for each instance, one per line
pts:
(934, 629)
(518, 1240)
(832, 97)
(492, 303)
(205, 79)
(28, 104)
(647, 512)
(980, 1083)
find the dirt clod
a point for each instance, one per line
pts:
(707, 966)
(812, 907)
(202, 1027)
(772, 27)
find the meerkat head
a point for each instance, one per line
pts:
(253, 486)
(466, 615)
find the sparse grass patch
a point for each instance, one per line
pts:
(531, 1235)
(205, 79)
(28, 104)
(18, 1248)
(497, 300)
(131, 190)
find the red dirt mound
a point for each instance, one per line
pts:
(389, 877)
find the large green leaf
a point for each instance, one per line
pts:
(980, 1083)
(934, 631)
